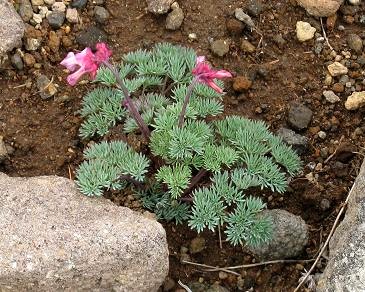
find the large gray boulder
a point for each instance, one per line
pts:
(52, 238)
(11, 28)
(345, 269)
(321, 8)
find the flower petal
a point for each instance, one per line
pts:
(102, 52)
(74, 77)
(70, 62)
(220, 74)
(214, 86)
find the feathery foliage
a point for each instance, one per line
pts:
(232, 154)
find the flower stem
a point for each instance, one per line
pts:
(186, 101)
(129, 102)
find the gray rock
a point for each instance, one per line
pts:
(298, 142)
(3, 152)
(56, 19)
(175, 18)
(79, 3)
(45, 87)
(254, 7)
(321, 8)
(245, 18)
(25, 10)
(17, 62)
(64, 241)
(354, 42)
(159, 6)
(91, 36)
(290, 236)
(98, 2)
(330, 96)
(220, 47)
(345, 269)
(299, 116)
(11, 28)
(101, 14)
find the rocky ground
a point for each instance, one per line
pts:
(299, 65)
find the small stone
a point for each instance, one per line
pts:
(101, 14)
(322, 135)
(254, 7)
(321, 8)
(37, 18)
(46, 87)
(355, 100)
(305, 31)
(37, 2)
(290, 236)
(234, 26)
(355, 2)
(298, 142)
(49, 2)
(159, 6)
(299, 116)
(91, 36)
(72, 15)
(43, 11)
(330, 96)
(192, 36)
(175, 18)
(197, 245)
(354, 42)
(54, 41)
(58, 7)
(25, 10)
(56, 19)
(337, 69)
(325, 204)
(3, 150)
(247, 47)
(220, 47)
(17, 62)
(241, 83)
(29, 60)
(32, 44)
(338, 87)
(78, 3)
(98, 2)
(222, 275)
(216, 288)
(245, 18)
(328, 80)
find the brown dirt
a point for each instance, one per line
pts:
(44, 133)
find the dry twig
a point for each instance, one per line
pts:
(211, 267)
(325, 35)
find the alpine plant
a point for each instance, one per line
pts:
(186, 166)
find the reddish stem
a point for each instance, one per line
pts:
(186, 101)
(128, 102)
(197, 178)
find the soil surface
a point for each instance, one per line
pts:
(43, 134)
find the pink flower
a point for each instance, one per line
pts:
(204, 74)
(85, 62)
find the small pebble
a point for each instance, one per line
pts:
(78, 3)
(59, 7)
(330, 96)
(197, 245)
(247, 47)
(72, 15)
(220, 47)
(322, 135)
(337, 69)
(101, 14)
(17, 62)
(56, 19)
(305, 31)
(175, 18)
